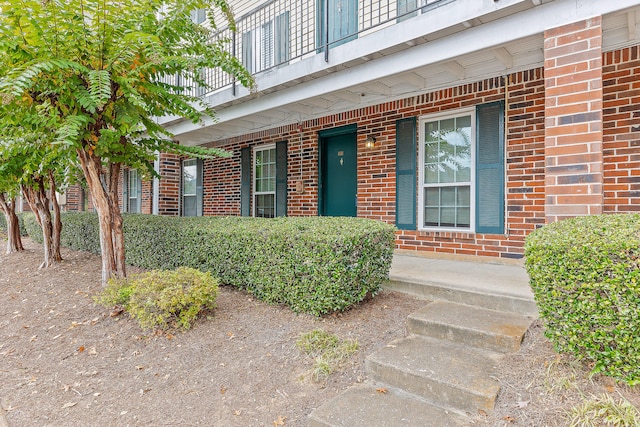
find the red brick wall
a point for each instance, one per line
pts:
(573, 123)
(376, 166)
(621, 130)
(169, 189)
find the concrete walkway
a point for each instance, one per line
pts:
(477, 280)
(443, 372)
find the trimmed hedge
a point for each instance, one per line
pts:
(315, 265)
(585, 275)
(20, 215)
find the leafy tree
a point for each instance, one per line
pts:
(95, 71)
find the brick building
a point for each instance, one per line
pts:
(466, 123)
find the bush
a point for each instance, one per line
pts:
(585, 275)
(315, 265)
(20, 215)
(163, 299)
(31, 226)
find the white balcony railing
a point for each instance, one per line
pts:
(280, 32)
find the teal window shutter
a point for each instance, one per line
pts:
(281, 178)
(199, 186)
(490, 168)
(245, 178)
(282, 38)
(406, 174)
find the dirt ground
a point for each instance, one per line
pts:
(64, 361)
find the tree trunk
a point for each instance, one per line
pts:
(109, 217)
(39, 203)
(56, 229)
(14, 239)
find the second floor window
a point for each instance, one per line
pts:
(267, 45)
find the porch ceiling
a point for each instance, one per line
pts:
(362, 82)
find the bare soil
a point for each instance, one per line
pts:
(65, 361)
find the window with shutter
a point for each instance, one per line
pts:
(461, 170)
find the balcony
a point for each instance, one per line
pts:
(282, 32)
(374, 51)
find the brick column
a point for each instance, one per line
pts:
(169, 188)
(573, 120)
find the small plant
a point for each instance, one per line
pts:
(328, 351)
(605, 411)
(163, 298)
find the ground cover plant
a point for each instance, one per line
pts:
(585, 274)
(163, 299)
(328, 351)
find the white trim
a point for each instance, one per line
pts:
(254, 193)
(443, 115)
(156, 185)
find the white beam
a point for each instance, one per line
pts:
(378, 88)
(632, 26)
(414, 80)
(504, 56)
(347, 96)
(456, 69)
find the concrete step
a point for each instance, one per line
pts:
(481, 297)
(474, 326)
(447, 374)
(363, 405)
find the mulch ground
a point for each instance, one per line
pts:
(65, 361)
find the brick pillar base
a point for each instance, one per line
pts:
(573, 120)
(169, 188)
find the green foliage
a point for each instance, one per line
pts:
(163, 299)
(21, 215)
(585, 275)
(329, 351)
(31, 227)
(315, 265)
(605, 411)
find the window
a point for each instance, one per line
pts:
(267, 45)
(134, 186)
(461, 168)
(189, 187)
(264, 182)
(198, 16)
(409, 8)
(446, 172)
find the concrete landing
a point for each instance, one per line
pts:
(503, 287)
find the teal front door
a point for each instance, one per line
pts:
(338, 175)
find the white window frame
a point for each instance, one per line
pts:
(137, 198)
(471, 111)
(182, 193)
(255, 193)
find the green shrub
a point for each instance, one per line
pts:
(585, 275)
(20, 215)
(31, 226)
(316, 265)
(161, 298)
